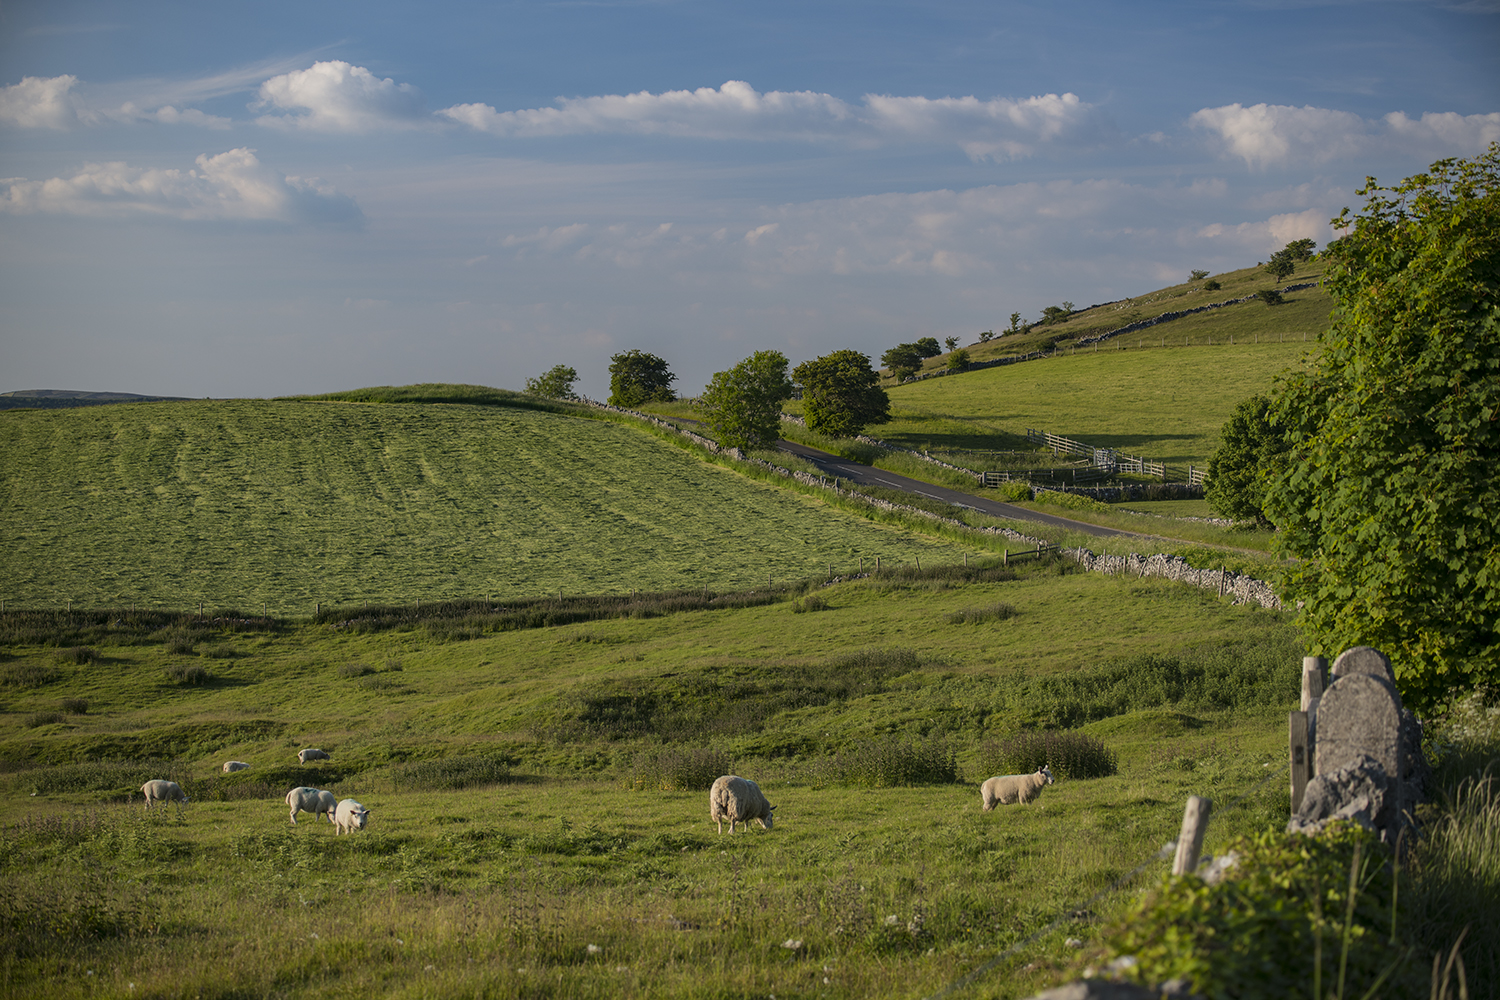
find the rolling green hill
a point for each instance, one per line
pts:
(292, 503)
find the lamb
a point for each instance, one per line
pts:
(304, 756)
(350, 816)
(738, 800)
(230, 766)
(1009, 788)
(159, 790)
(312, 800)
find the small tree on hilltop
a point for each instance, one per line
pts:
(636, 377)
(555, 383)
(987, 336)
(1388, 500)
(903, 360)
(1053, 314)
(1283, 263)
(1198, 275)
(743, 405)
(1249, 453)
(841, 394)
(950, 342)
(1015, 323)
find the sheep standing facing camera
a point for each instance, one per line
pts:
(738, 800)
(1008, 788)
(349, 817)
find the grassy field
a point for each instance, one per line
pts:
(292, 503)
(500, 887)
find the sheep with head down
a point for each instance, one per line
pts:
(311, 800)
(311, 753)
(161, 790)
(738, 800)
(1008, 788)
(231, 766)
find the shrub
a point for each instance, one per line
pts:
(1070, 501)
(350, 670)
(38, 719)
(450, 773)
(812, 602)
(26, 675)
(220, 651)
(1016, 490)
(1070, 755)
(75, 706)
(958, 361)
(889, 762)
(1212, 285)
(978, 616)
(181, 645)
(1270, 296)
(677, 769)
(187, 674)
(78, 656)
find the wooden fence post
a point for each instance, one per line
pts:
(1314, 680)
(1190, 841)
(1299, 754)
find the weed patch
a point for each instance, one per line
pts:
(1069, 755)
(677, 769)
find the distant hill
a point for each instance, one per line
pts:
(58, 399)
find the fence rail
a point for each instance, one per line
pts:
(1106, 459)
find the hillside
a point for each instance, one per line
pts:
(293, 503)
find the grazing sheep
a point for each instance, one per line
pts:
(311, 800)
(304, 756)
(738, 800)
(350, 816)
(230, 766)
(163, 791)
(1009, 788)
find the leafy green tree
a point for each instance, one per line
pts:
(903, 360)
(1389, 501)
(841, 394)
(555, 383)
(1250, 451)
(636, 377)
(1198, 275)
(1053, 314)
(1015, 323)
(987, 336)
(743, 405)
(1270, 297)
(950, 342)
(958, 361)
(928, 347)
(1283, 262)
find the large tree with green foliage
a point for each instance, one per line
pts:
(636, 377)
(743, 405)
(1249, 452)
(555, 383)
(903, 360)
(1390, 499)
(841, 394)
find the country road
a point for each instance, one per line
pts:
(870, 476)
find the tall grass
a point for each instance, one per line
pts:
(1068, 755)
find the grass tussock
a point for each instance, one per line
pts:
(812, 602)
(998, 612)
(889, 762)
(677, 768)
(187, 674)
(1069, 755)
(77, 656)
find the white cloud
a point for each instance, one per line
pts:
(53, 102)
(1268, 135)
(39, 102)
(335, 96)
(232, 186)
(995, 129)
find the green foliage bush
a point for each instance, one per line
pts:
(449, 774)
(1016, 491)
(677, 769)
(998, 612)
(187, 674)
(75, 706)
(38, 719)
(812, 602)
(1212, 285)
(1251, 453)
(889, 762)
(78, 656)
(1069, 755)
(1070, 501)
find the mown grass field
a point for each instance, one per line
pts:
(501, 887)
(291, 503)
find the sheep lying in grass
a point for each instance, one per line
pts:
(738, 800)
(311, 800)
(159, 790)
(304, 756)
(230, 766)
(1008, 788)
(350, 816)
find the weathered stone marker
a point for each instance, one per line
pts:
(1363, 660)
(1300, 756)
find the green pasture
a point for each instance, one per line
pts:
(291, 503)
(500, 887)
(1163, 404)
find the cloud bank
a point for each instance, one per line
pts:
(1275, 135)
(233, 186)
(49, 102)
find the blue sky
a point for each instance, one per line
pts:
(255, 200)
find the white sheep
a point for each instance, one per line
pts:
(738, 800)
(310, 800)
(303, 756)
(1008, 788)
(350, 816)
(230, 766)
(159, 790)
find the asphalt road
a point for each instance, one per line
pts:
(867, 475)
